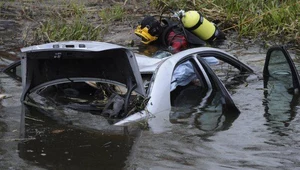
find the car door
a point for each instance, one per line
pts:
(212, 81)
(227, 68)
(281, 84)
(213, 107)
(220, 67)
(225, 98)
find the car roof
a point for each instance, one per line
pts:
(149, 64)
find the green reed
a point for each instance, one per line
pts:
(273, 19)
(60, 30)
(114, 13)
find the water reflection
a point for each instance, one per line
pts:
(214, 121)
(62, 146)
(209, 116)
(280, 105)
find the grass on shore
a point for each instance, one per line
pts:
(267, 20)
(61, 20)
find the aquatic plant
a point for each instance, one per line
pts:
(71, 9)
(60, 30)
(60, 21)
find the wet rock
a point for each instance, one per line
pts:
(12, 53)
(2, 96)
(252, 78)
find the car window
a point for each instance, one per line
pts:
(280, 67)
(224, 97)
(225, 71)
(188, 85)
(228, 68)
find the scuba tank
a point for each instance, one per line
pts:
(200, 26)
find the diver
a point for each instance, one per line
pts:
(191, 29)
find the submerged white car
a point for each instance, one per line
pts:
(113, 82)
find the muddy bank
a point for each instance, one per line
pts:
(9, 42)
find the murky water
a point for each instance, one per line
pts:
(264, 136)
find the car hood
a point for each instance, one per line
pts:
(84, 60)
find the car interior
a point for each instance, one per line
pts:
(191, 91)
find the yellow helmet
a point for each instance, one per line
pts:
(148, 30)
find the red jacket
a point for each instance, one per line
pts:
(177, 41)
